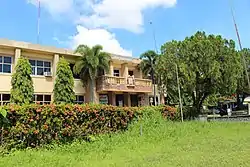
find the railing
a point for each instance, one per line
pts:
(113, 80)
(143, 82)
(112, 83)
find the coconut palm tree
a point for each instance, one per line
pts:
(92, 61)
(148, 65)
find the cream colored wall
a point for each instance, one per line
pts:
(5, 83)
(5, 79)
(117, 67)
(78, 88)
(43, 85)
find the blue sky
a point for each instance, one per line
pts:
(122, 27)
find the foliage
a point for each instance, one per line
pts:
(22, 85)
(92, 61)
(36, 125)
(148, 63)
(242, 82)
(207, 65)
(64, 84)
(162, 144)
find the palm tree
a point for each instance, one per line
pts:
(148, 65)
(92, 61)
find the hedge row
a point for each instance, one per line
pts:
(35, 125)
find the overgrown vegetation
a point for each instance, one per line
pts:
(37, 125)
(151, 142)
(208, 66)
(64, 84)
(92, 61)
(22, 85)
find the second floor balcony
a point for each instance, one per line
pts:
(123, 84)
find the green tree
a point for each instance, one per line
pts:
(148, 66)
(64, 84)
(22, 85)
(243, 87)
(91, 61)
(208, 65)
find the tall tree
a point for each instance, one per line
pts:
(22, 85)
(208, 65)
(243, 88)
(148, 66)
(91, 61)
(64, 84)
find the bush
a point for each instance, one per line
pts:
(35, 125)
(22, 85)
(63, 90)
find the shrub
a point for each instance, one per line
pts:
(35, 125)
(63, 90)
(22, 85)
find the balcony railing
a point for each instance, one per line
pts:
(129, 84)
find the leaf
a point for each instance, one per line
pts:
(3, 112)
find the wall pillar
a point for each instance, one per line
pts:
(111, 69)
(129, 100)
(125, 70)
(140, 74)
(146, 100)
(113, 99)
(55, 61)
(17, 56)
(54, 67)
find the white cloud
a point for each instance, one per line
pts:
(122, 14)
(100, 16)
(103, 37)
(55, 7)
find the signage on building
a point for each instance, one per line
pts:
(103, 99)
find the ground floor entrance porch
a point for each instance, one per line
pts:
(123, 99)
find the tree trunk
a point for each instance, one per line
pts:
(197, 105)
(93, 91)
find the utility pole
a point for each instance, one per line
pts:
(153, 72)
(239, 41)
(179, 91)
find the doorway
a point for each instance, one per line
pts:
(134, 100)
(119, 99)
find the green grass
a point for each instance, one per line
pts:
(162, 144)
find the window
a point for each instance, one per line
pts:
(74, 75)
(42, 99)
(116, 73)
(39, 67)
(79, 99)
(5, 64)
(130, 73)
(4, 99)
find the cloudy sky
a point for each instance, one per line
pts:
(121, 26)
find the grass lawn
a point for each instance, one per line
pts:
(162, 144)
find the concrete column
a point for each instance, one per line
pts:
(140, 74)
(54, 66)
(113, 99)
(129, 100)
(146, 99)
(17, 56)
(248, 108)
(125, 70)
(111, 69)
(55, 61)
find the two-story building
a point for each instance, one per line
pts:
(123, 86)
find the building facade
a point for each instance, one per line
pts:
(122, 86)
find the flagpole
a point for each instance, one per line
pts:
(239, 41)
(38, 21)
